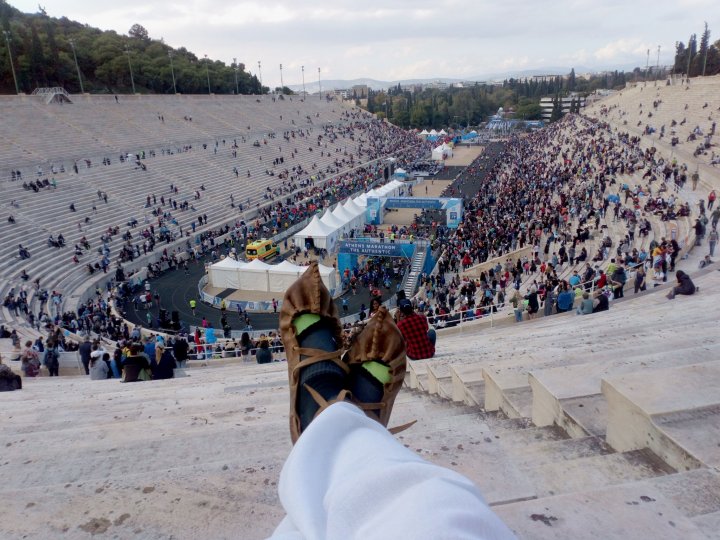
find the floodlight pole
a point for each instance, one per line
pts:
(260, 75)
(207, 72)
(302, 68)
(172, 70)
(132, 79)
(12, 66)
(237, 88)
(77, 66)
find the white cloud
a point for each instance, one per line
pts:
(514, 63)
(405, 38)
(622, 48)
(579, 57)
(359, 52)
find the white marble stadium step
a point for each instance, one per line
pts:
(646, 326)
(211, 445)
(673, 411)
(677, 506)
(583, 379)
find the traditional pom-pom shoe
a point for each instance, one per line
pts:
(316, 373)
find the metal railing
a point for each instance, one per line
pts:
(461, 317)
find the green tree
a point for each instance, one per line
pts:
(692, 51)
(528, 110)
(43, 56)
(370, 102)
(557, 109)
(699, 62)
(139, 32)
(419, 116)
(571, 80)
(37, 59)
(712, 66)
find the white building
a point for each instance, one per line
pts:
(546, 104)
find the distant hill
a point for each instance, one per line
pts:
(42, 52)
(377, 85)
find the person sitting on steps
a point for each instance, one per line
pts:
(684, 286)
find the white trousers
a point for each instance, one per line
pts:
(348, 478)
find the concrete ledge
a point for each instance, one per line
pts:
(640, 405)
(475, 271)
(438, 380)
(639, 511)
(465, 379)
(418, 374)
(497, 384)
(547, 410)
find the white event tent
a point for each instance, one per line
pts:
(254, 276)
(323, 236)
(390, 189)
(352, 208)
(361, 201)
(327, 230)
(328, 276)
(357, 211)
(225, 274)
(349, 220)
(283, 275)
(331, 220)
(259, 276)
(439, 153)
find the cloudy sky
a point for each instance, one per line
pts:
(402, 39)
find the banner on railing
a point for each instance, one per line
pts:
(377, 249)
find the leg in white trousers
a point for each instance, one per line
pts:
(348, 478)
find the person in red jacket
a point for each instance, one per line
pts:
(419, 339)
(602, 280)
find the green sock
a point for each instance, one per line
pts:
(325, 377)
(378, 370)
(304, 321)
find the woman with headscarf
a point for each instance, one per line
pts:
(98, 368)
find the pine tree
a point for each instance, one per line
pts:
(557, 109)
(571, 80)
(680, 57)
(703, 51)
(691, 52)
(370, 101)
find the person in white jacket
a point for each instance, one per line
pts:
(98, 366)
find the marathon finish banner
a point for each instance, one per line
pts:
(414, 202)
(376, 207)
(377, 249)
